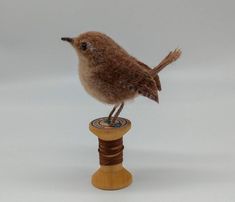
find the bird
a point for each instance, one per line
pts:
(113, 76)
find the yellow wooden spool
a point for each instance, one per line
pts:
(110, 177)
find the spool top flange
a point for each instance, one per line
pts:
(103, 130)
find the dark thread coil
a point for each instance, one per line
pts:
(110, 152)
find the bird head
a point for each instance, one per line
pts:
(94, 46)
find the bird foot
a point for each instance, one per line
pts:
(112, 123)
(108, 121)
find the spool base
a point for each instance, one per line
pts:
(111, 177)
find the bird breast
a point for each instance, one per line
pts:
(87, 80)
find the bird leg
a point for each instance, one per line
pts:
(117, 114)
(111, 113)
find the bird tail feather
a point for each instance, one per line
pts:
(171, 57)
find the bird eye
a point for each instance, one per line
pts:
(83, 46)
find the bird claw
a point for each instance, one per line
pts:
(108, 121)
(112, 123)
(115, 125)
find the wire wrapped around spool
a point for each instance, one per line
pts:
(110, 152)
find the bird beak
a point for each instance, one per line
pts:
(70, 40)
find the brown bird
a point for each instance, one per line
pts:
(111, 75)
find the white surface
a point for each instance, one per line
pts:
(180, 150)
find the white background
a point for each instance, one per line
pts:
(180, 150)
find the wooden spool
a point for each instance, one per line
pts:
(110, 177)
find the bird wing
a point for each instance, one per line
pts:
(135, 78)
(147, 68)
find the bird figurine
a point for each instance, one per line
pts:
(111, 75)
